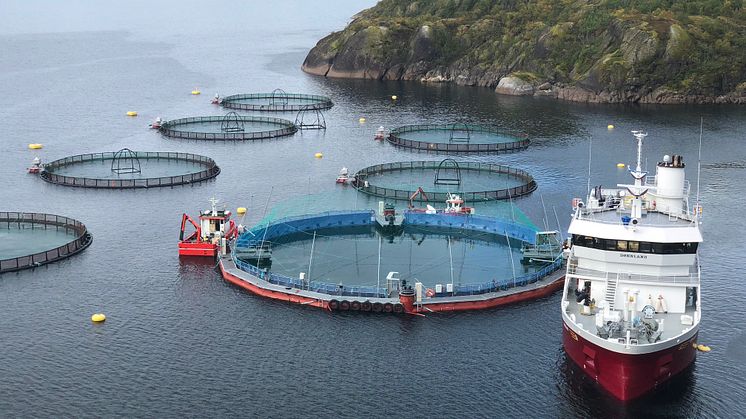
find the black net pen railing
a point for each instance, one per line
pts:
(209, 170)
(460, 133)
(179, 128)
(459, 138)
(232, 123)
(81, 238)
(277, 101)
(363, 181)
(279, 97)
(310, 119)
(125, 161)
(448, 172)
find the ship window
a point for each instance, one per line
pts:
(690, 247)
(634, 246)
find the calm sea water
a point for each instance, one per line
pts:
(179, 341)
(431, 256)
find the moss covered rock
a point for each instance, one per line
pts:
(602, 51)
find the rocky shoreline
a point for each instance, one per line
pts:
(623, 57)
(515, 86)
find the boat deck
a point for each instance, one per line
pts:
(672, 325)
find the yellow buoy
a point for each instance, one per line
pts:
(703, 348)
(98, 317)
(362, 120)
(131, 113)
(241, 210)
(620, 165)
(609, 126)
(393, 97)
(318, 155)
(34, 146)
(196, 91)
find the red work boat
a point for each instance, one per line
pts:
(35, 167)
(212, 232)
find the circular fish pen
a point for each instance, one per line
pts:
(28, 239)
(228, 127)
(276, 101)
(351, 257)
(458, 138)
(127, 169)
(434, 181)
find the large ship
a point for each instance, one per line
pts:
(631, 301)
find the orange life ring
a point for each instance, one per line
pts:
(430, 292)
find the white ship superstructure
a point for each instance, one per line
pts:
(631, 302)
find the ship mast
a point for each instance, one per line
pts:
(638, 174)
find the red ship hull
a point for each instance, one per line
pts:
(627, 376)
(197, 249)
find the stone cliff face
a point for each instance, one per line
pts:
(615, 58)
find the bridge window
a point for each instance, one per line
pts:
(634, 246)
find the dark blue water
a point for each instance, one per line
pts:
(179, 341)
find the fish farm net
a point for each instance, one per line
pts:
(228, 127)
(435, 180)
(461, 138)
(276, 101)
(345, 253)
(126, 169)
(28, 240)
(348, 199)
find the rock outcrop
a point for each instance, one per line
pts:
(575, 51)
(514, 86)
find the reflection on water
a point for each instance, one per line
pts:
(432, 256)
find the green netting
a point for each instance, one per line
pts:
(349, 199)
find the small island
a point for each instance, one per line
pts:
(607, 51)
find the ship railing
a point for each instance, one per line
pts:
(674, 218)
(381, 292)
(585, 273)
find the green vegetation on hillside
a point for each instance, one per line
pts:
(695, 47)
